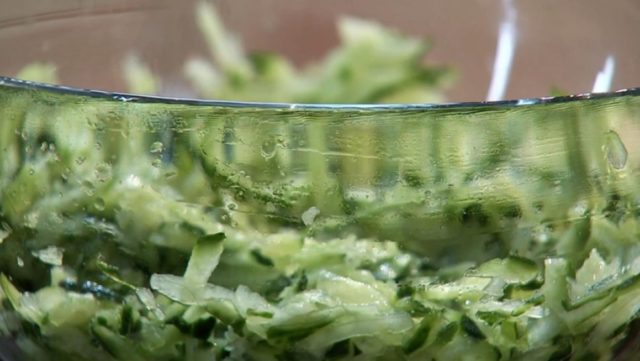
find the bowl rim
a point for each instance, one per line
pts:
(137, 98)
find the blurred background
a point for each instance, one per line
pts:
(559, 44)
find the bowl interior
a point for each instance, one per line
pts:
(559, 45)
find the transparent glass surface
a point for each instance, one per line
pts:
(138, 181)
(288, 220)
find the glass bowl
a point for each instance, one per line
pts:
(137, 227)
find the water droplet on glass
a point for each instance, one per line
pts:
(32, 171)
(103, 172)
(20, 262)
(43, 146)
(268, 149)
(232, 206)
(157, 147)
(429, 198)
(99, 204)
(80, 160)
(89, 188)
(616, 151)
(156, 163)
(98, 146)
(281, 141)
